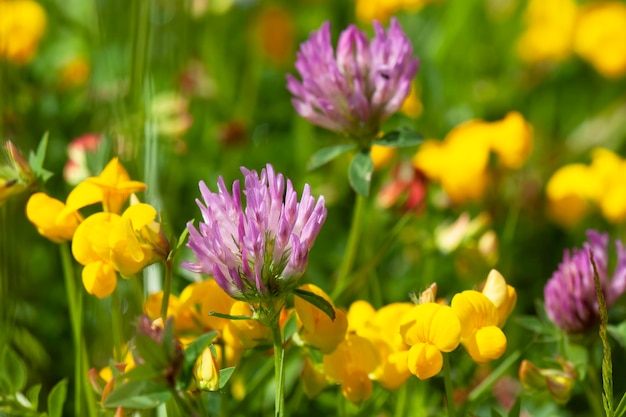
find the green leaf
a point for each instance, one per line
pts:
(56, 399)
(619, 333)
(141, 372)
(150, 351)
(225, 375)
(228, 316)
(193, 351)
(33, 395)
(360, 172)
(138, 394)
(318, 301)
(495, 413)
(326, 155)
(36, 159)
(400, 138)
(14, 369)
(578, 355)
(621, 407)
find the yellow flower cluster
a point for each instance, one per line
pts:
(22, 24)
(573, 188)
(460, 161)
(106, 242)
(190, 313)
(594, 31)
(400, 339)
(382, 10)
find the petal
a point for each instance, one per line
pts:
(140, 215)
(424, 360)
(486, 344)
(91, 239)
(83, 195)
(431, 323)
(99, 279)
(359, 313)
(474, 311)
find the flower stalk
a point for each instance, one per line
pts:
(279, 367)
(447, 378)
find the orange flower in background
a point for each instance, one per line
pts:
(382, 10)
(22, 24)
(275, 33)
(600, 37)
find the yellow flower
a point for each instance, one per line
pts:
(600, 37)
(512, 140)
(350, 365)
(548, 36)
(382, 10)
(568, 192)
(251, 333)
(429, 329)
(207, 372)
(44, 212)
(382, 329)
(502, 295)
(412, 105)
(74, 73)
(90, 248)
(480, 334)
(459, 162)
(314, 379)
(112, 187)
(315, 327)
(382, 155)
(136, 240)
(22, 24)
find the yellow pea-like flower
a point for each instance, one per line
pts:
(350, 365)
(382, 155)
(251, 332)
(315, 327)
(207, 372)
(480, 334)
(502, 295)
(45, 213)
(111, 188)
(429, 329)
(22, 24)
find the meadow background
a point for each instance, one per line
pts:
(187, 90)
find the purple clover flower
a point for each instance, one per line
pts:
(358, 89)
(570, 295)
(258, 252)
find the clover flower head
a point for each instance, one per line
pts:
(258, 251)
(570, 294)
(359, 87)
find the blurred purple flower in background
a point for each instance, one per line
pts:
(570, 295)
(358, 89)
(258, 252)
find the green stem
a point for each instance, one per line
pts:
(448, 384)
(116, 324)
(75, 311)
(167, 288)
(401, 401)
(593, 391)
(353, 243)
(279, 369)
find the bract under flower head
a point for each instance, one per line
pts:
(357, 89)
(570, 295)
(261, 251)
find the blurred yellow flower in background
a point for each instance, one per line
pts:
(548, 34)
(350, 365)
(382, 10)
(22, 24)
(600, 37)
(575, 188)
(460, 161)
(382, 155)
